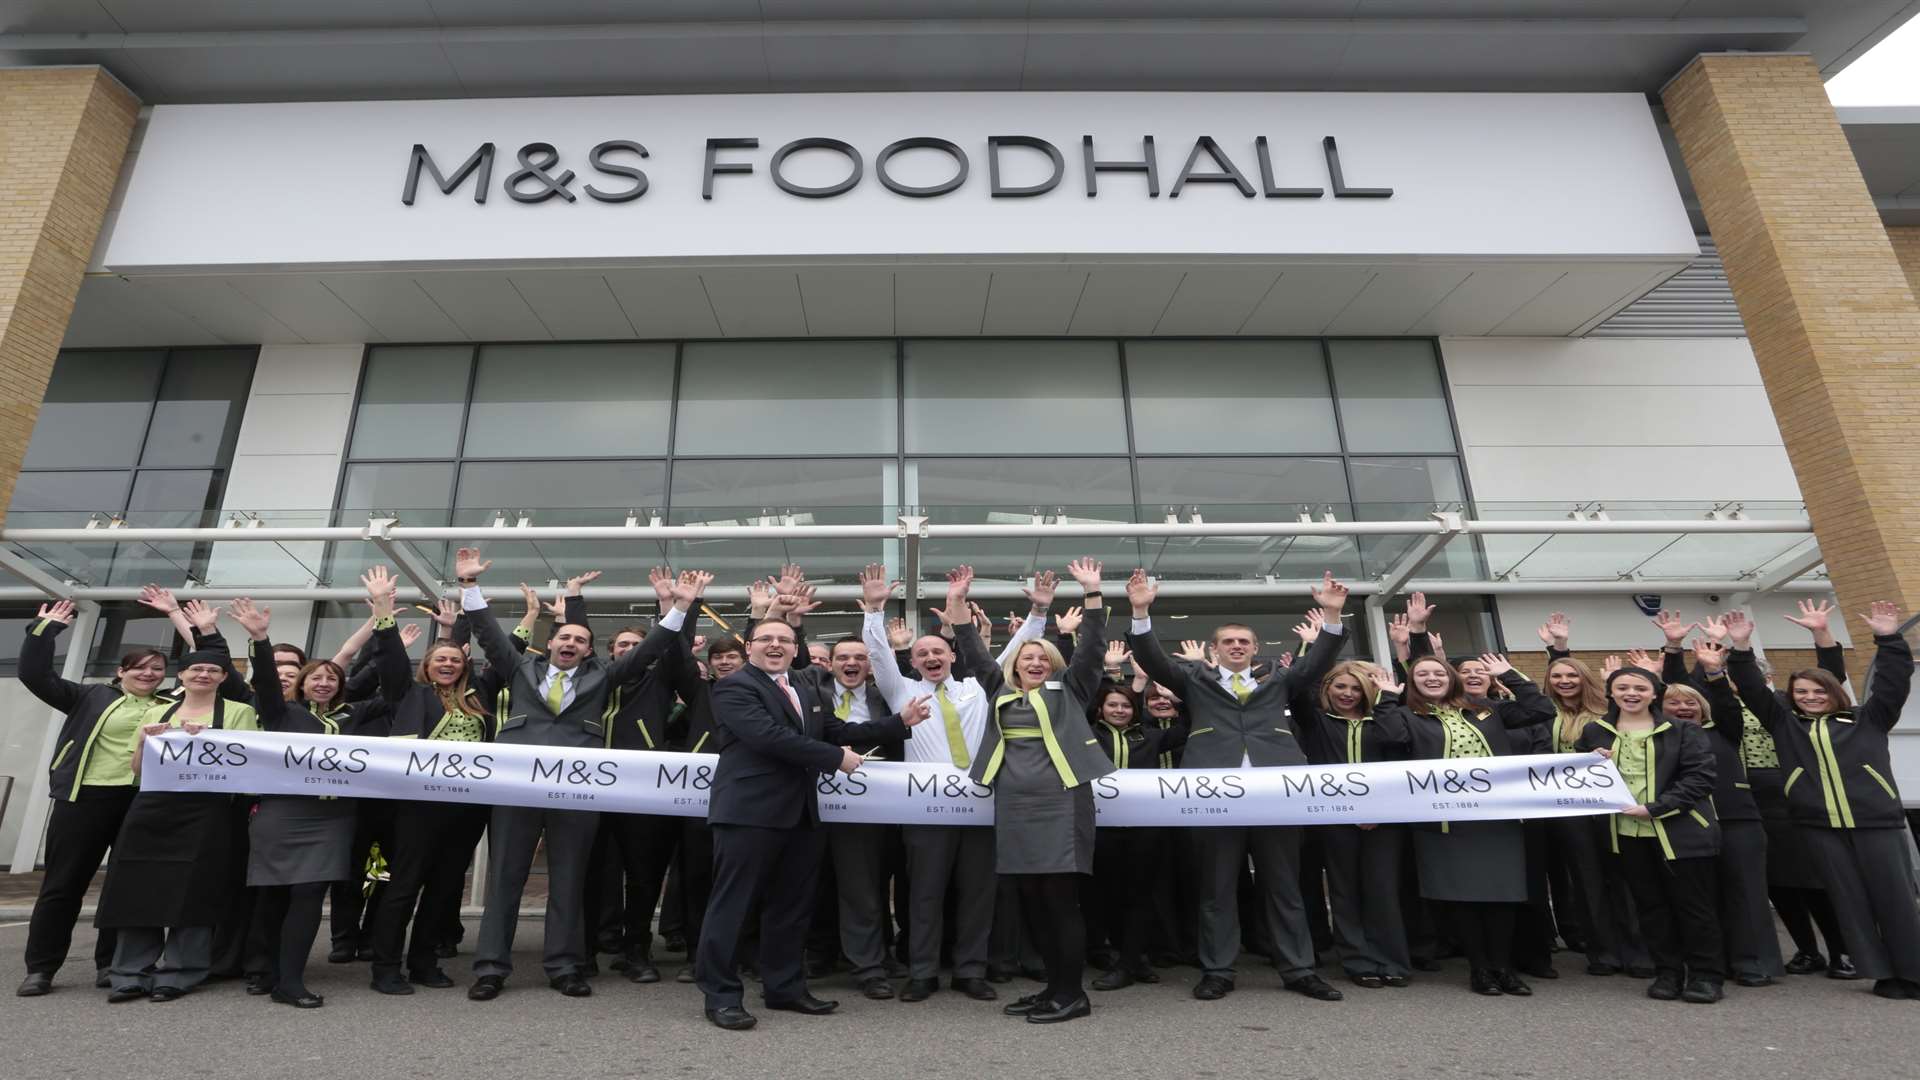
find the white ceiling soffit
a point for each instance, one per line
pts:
(296, 50)
(966, 299)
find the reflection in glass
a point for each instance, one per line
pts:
(563, 493)
(1391, 397)
(1247, 489)
(95, 411)
(535, 401)
(787, 397)
(412, 399)
(197, 418)
(1014, 397)
(1233, 397)
(820, 491)
(1014, 491)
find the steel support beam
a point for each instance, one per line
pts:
(14, 563)
(912, 531)
(1801, 564)
(412, 566)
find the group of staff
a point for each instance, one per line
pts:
(1750, 800)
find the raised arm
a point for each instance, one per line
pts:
(1710, 667)
(659, 642)
(874, 592)
(1744, 669)
(1331, 595)
(1147, 653)
(1087, 669)
(1554, 634)
(500, 653)
(1529, 706)
(36, 657)
(1890, 678)
(268, 701)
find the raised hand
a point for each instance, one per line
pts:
(254, 620)
(1399, 631)
(874, 587)
(1041, 591)
(1882, 617)
(381, 587)
(1640, 658)
(1383, 681)
(1715, 627)
(409, 634)
(898, 635)
(916, 710)
(1710, 655)
(1141, 592)
(1309, 628)
(959, 585)
(204, 617)
(1117, 655)
(790, 580)
(1815, 617)
(159, 599)
(1192, 651)
(531, 599)
(1556, 630)
(446, 613)
(1610, 665)
(1672, 626)
(1739, 629)
(690, 587)
(1066, 622)
(60, 611)
(1086, 573)
(1286, 660)
(661, 578)
(1436, 645)
(1419, 611)
(1331, 596)
(467, 564)
(799, 603)
(760, 597)
(1497, 665)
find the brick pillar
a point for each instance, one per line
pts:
(1828, 309)
(1906, 248)
(63, 134)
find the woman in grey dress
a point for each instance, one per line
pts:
(1040, 757)
(299, 845)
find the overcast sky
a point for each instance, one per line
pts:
(1889, 74)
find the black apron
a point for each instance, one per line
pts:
(170, 862)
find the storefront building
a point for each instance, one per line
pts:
(1581, 308)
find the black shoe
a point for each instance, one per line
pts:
(305, 999)
(486, 988)
(1025, 1005)
(1806, 963)
(363, 953)
(675, 943)
(1315, 987)
(572, 985)
(1642, 971)
(1213, 987)
(36, 984)
(642, 971)
(818, 968)
(1367, 982)
(1483, 982)
(619, 963)
(806, 1005)
(259, 985)
(1841, 967)
(999, 973)
(1753, 980)
(1701, 992)
(340, 954)
(390, 982)
(590, 969)
(102, 979)
(1664, 988)
(1575, 943)
(1145, 974)
(1398, 982)
(685, 974)
(1117, 979)
(1423, 963)
(876, 989)
(1510, 984)
(897, 970)
(920, 989)
(432, 978)
(1600, 967)
(732, 1018)
(129, 994)
(1048, 1013)
(977, 989)
(166, 993)
(447, 951)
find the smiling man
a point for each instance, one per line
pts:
(559, 699)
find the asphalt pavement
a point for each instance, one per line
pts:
(1572, 1028)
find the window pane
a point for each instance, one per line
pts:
(65, 500)
(787, 397)
(417, 494)
(1409, 489)
(570, 401)
(1012, 491)
(411, 402)
(564, 493)
(95, 411)
(1197, 397)
(1247, 489)
(830, 491)
(1014, 397)
(167, 499)
(197, 418)
(1391, 399)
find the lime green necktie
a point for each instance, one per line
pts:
(1241, 689)
(845, 708)
(557, 693)
(956, 738)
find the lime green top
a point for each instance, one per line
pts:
(1631, 758)
(109, 760)
(1463, 739)
(238, 718)
(1756, 744)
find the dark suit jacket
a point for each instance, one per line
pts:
(770, 758)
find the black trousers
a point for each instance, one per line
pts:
(1484, 931)
(1533, 924)
(1679, 905)
(1870, 882)
(1051, 904)
(350, 908)
(775, 870)
(1363, 884)
(432, 845)
(644, 845)
(1128, 865)
(1753, 949)
(1607, 912)
(79, 834)
(696, 879)
(240, 945)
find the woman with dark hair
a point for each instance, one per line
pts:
(299, 845)
(1668, 842)
(91, 782)
(1038, 756)
(1128, 863)
(1474, 874)
(1840, 791)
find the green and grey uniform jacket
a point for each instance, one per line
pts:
(1681, 772)
(84, 704)
(1227, 731)
(1060, 706)
(1838, 769)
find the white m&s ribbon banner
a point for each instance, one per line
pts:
(908, 793)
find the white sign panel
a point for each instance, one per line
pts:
(615, 180)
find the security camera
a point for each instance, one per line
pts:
(1713, 598)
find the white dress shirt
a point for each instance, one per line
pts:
(967, 696)
(566, 694)
(857, 709)
(1225, 677)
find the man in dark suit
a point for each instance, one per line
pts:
(559, 700)
(776, 736)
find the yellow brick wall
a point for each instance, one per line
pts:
(1828, 309)
(63, 135)
(1906, 248)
